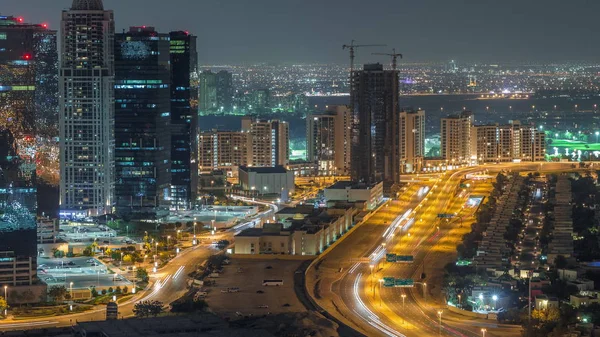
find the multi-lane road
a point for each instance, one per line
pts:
(347, 281)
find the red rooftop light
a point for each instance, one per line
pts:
(27, 56)
(20, 19)
(45, 25)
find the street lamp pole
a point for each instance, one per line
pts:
(380, 300)
(483, 332)
(440, 316)
(71, 290)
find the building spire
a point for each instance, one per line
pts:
(87, 5)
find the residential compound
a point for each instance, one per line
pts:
(260, 143)
(562, 233)
(462, 142)
(300, 231)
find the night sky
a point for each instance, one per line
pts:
(248, 31)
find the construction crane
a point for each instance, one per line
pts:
(353, 46)
(394, 56)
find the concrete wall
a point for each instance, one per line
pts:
(466, 313)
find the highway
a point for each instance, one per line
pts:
(167, 285)
(346, 286)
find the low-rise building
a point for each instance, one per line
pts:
(364, 196)
(544, 302)
(303, 233)
(579, 300)
(267, 180)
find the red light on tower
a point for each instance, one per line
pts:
(20, 19)
(45, 25)
(27, 57)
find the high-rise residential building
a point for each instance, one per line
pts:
(142, 121)
(207, 99)
(224, 84)
(216, 92)
(456, 144)
(268, 143)
(328, 140)
(222, 151)
(506, 143)
(86, 114)
(374, 96)
(28, 77)
(411, 140)
(18, 207)
(184, 120)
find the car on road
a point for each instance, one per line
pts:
(263, 306)
(71, 263)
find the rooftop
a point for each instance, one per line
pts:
(264, 170)
(341, 185)
(87, 5)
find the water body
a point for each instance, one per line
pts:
(551, 112)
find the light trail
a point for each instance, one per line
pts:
(179, 271)
(373, 319)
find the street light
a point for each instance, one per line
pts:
(459, 300)
(495, 298)
(6, 299)
(483, 332)
(372, 287)
(403, 297)
(440, 316)
(71, 289)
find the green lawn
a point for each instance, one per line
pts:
(574, 145)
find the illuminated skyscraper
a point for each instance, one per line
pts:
(142, 120)
(375, 154)
(184, 120)
(28, 76)
(86, 115)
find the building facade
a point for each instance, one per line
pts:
(86, 116)
(28, 76)
(184, 120)
(268, 143)
(328, 141)
(412, 140)
(369, 196)
(507, 143)
(142, 120)
(375, 154)
(267, 180)
(222, 151)
(455, 140)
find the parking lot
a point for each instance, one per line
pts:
(84, 272)
(253, 298)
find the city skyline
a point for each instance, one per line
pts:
(304, 32)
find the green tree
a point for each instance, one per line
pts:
(142, 274)
(147, 309)
(127, 258)
(110, 290)
(59, 254)
(88, 251)
(3, 304)
(118, 290)
(57, 293)
(125, 289)
(94, 292)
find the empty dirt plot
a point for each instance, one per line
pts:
(239, 290)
